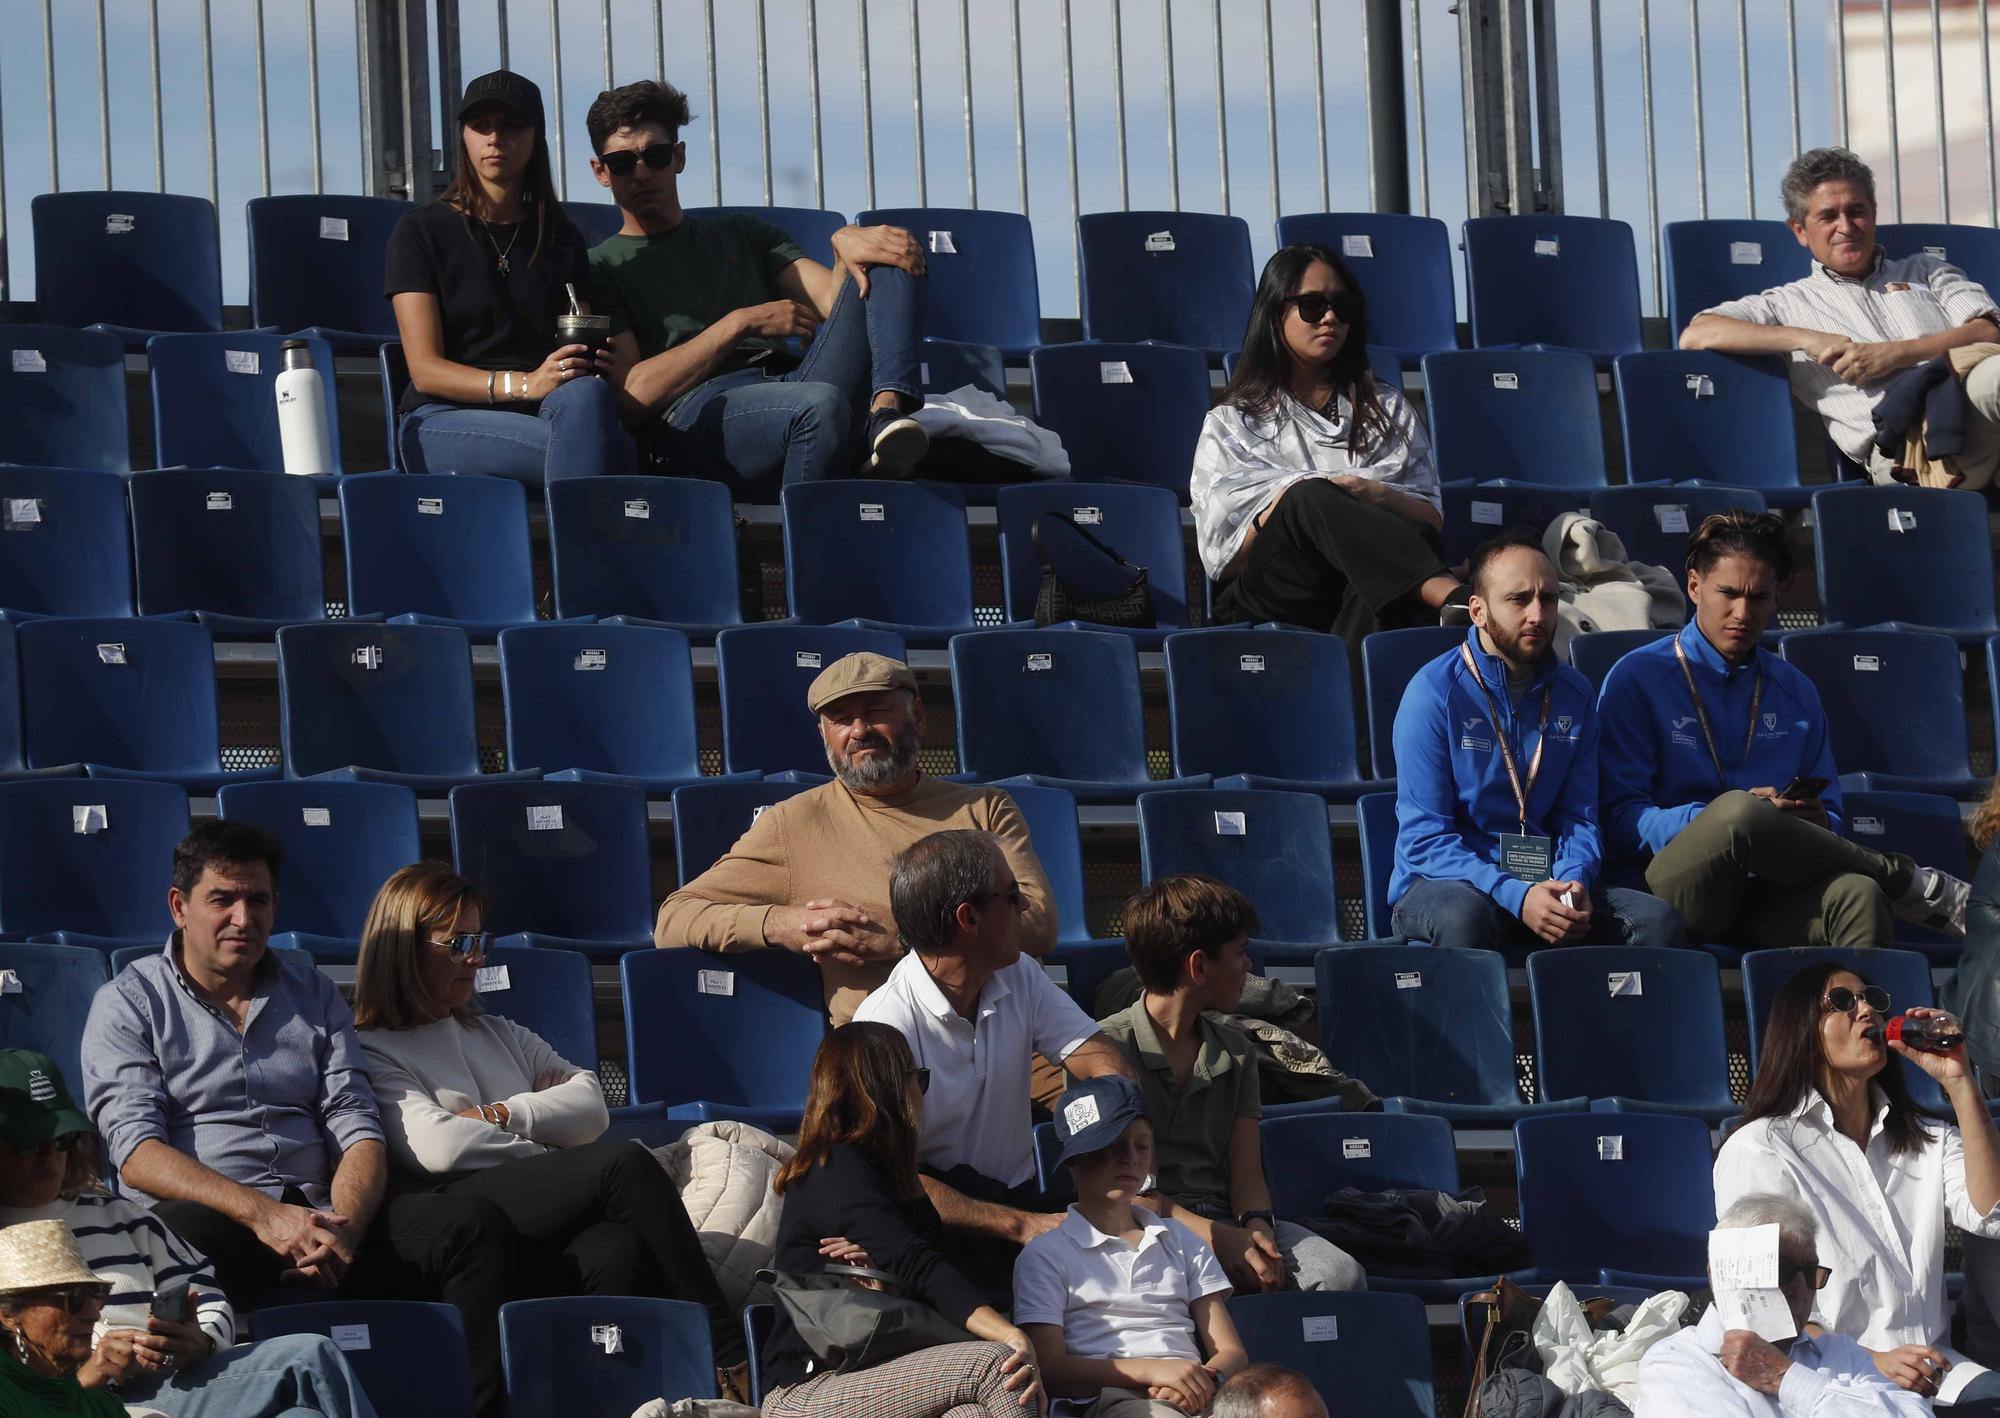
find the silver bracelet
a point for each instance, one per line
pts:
(489, 386)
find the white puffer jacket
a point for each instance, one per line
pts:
(723, 1171)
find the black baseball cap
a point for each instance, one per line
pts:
(35, 1106)
(511, 91)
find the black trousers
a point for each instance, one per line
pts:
(988, 1261)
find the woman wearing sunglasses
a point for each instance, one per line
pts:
(479, 279)
(852, 1197)
(1315, 501)
(475, 1105)
(1831, 1124)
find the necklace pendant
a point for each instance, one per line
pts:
(504, 268)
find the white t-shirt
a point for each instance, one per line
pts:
(1115, 1300)
(976, 1113)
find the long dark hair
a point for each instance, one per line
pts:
(1794, 1059)
(859, 1094)
(1263, 377)
(544, 209)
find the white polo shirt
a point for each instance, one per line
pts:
(976, 1113)
(1115, 1300)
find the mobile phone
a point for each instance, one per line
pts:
(1804, 789)
(171, 1304)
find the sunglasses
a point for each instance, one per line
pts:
(75, 1298)
(923, 1078)
(1012, 893)
(623, 162)
(1788, 1272)
(466, 943)
(1842, 1000)
(1314, 306)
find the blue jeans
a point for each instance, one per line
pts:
(286, 1375)
(1458, 913)
(806, 423)
(575, 433)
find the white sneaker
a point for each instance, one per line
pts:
(1936, 901)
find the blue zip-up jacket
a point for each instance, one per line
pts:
(1656, 770)
(1453, 796)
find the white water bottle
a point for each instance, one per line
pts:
(302, 426)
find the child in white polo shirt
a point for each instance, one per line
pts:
(1122, 1307)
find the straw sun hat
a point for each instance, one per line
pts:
(38, 1255)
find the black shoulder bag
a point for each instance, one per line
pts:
(849, 1325)
(1083, 579)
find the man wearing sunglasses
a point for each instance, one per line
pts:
(706, 313)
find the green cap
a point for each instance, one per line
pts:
(35, 1106)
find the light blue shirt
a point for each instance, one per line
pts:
(1830, 1377)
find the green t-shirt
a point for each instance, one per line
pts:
(27, 1394)
(670, 287)
(1192, 1125)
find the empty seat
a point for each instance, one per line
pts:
(1904, 555)
(1429, 1027)
(1708, 262)
(709, 817)
(1059, 707)
(1593, 654)
(980, 266)
(645, 548)
(127, 698)
(1524, 415)
(1895, 708)
(1478, 512)
(1583, 1179)
(1566, 282)
(1699, 416)
(1275, 848)
(1375, 819)
(1372, 1350)
(1656, 522)
(1050, 814)
(89, 857)
(68, 546)
(1905, 974)
(811, 227)
(1140, 524)
(341, 842)
(1268, 708)
(317, 267)
(47, 1001)
(215, 404)
(1634, 1028)
(762, 673)
(408, 1355)
(1389, 658)
(568, 861)
(241, 550)
(1927, 828)
(1309, 1156)
(1975, 250)
(1125, 413)
(1403, 265)
(438, 549)
(137, 263)
(1182, 277)
(594, 221)
(546, 990)
(946, 365)
(553, 1354)
(880, 555)
(62, 399)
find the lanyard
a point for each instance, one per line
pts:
(1521, 790)
(1701, 713)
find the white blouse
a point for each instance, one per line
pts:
(1241, 463)
(1881, 1219)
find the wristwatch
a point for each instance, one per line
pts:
(1264, 1216)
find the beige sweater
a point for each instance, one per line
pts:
(830, 842)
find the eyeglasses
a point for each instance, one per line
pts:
(465, 943)
(68, 1142)
(1314, 306)
(75, 1298)
(622, 162)
(1788, 1272)
(923, 1078)
(1842, 1000)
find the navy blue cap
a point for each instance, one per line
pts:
(1095, 1113)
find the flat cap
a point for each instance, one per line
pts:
(860, 673)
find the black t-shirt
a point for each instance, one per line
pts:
(491, 320)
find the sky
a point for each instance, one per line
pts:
(25, 60)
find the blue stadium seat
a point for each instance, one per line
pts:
(1269, 708)
(981, 269)
(126, 698)
(1905, 556)
(762, 673)
(545, 989)
(1050, 814)
(1182, 277)
(1593, 654)
(1055, 707)
(1583, 1178)
(1478, 512)
(1564, 282)
(239, 549)
(811, 227)
(758, 1322)
(1523, 415)
(13, 761)
(1368, 1352)
(47, 1001)
(601, 703)
(1925, 827)
(316, 267)
(1905, 974)
(1656, 521)
(438, 549)
(88, 856)
(214, 402)
(945, 365)
(878, 555)
(1634, 1028)
(1375, 818)
(1274, 847)
(411, 1361)
(1086, 965)
(1975, 250)
(594, 221)
(1895, 708)
(395, 372)
(380, 703)
(1708, 262)
(136, 263)
(62, 399)
(570, 861)
(661, 550)
(1389, 658)
(1702, 417)
(687, 1013)
(1403, 264)
(552, 1356)
(1141, 524)
(1125, 413)
(341, 842)
(710, 816)
(68, 544)
(1429, 1027)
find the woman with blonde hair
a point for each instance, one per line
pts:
(475, 1104)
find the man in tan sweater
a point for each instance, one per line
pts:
(812, 873)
